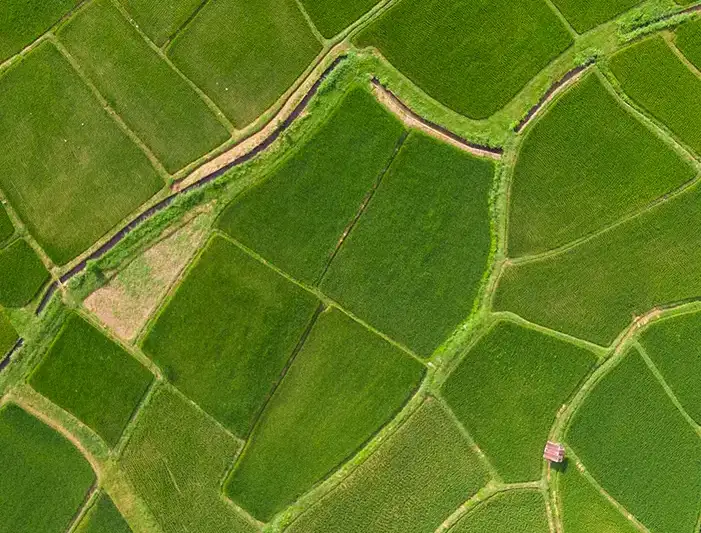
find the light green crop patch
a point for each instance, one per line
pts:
(688, 40)
(103, 517)
(522, 511)
(584, 15)
(473, 57)
(345, 383)
(640, 448)
(44, 478)
(66, 167)
(22, 274)
(245, 53)
(332, 16)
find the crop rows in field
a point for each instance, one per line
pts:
(103, 517)
(6, 227)
(522, 511)
(8, 335)
(584, 15)
(332, 16)
(22, 274)
(688, 40)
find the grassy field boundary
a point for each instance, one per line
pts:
(565, 22)
(671, 40)
(90, 499)
(311, 24)
(184, 25)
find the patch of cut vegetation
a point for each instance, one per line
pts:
(165, 112)
(93, 378)
(228, 331)
(581, 168)
(125, 304)
(508, 390)
(656, 79)
(585, 510)
(103, 517)
(67, 168)
(474, 57)
(332, 17)
(411, 484)
(6, 227)
(345, 383)
(161, 20)
(245, 53)
(507, 512)
(594, 290)
(23, 22)
(640, 448)
(296, 217)
(8, 335)
(44, 478)
(22, 274)
(688, 40)
(674, 345)
(425, 237)
(176, 460)
(584, 15)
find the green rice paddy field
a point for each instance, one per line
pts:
(475, 233)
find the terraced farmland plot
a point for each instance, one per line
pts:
(245, 53)
(23, 22)
(345, 383)
(161, 20)
(410, 485)
(22, 274)
(584, 15)
(424, 238)
(473, 57)
(508, 390)
(227, 333)
(6, 227)
(688, 40)
(640, 448)
(580, 169)
(165, 112)
(586, 510)
(332, 17)
(674, 345)
(594, 290)
(8, 335)
(103, 517)
(44, 478)
(295, 218)
(93, 378)
(176, 460)
(67, 168)
(522, 511)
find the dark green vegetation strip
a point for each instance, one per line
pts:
(584, 165)
(522, 511)
(674, 345)
(475, 56)
(164, 111)
(8, 335)
(657, 80)
(586, 510)
(593, 290)
(344, 384)
(103, 517)
(419, 476)
(507, 392)
(24, 21)
(176, 459)
(44, 478)
(227, 333)
(245, 53)
(66, 167)
(424, 238)
(6, 227)
(93, 378)
(296, 217)
(22, 274)
(584, 15)
(161, 20)
(688, 40)
(640, 448)
(333, 16)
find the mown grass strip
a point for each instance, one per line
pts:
(584, 15)
(473, 57)
(688, 40)
(161, 20)
(227, 333)
(629, 419)
(22, 274)
(506, 512)
(419, 475)
(425, 238)
(245, 53)
(44, 478)
(166, 113)
(296, 217)
(315, 421)
(103, 517)
(93, 378)
(332, 17)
